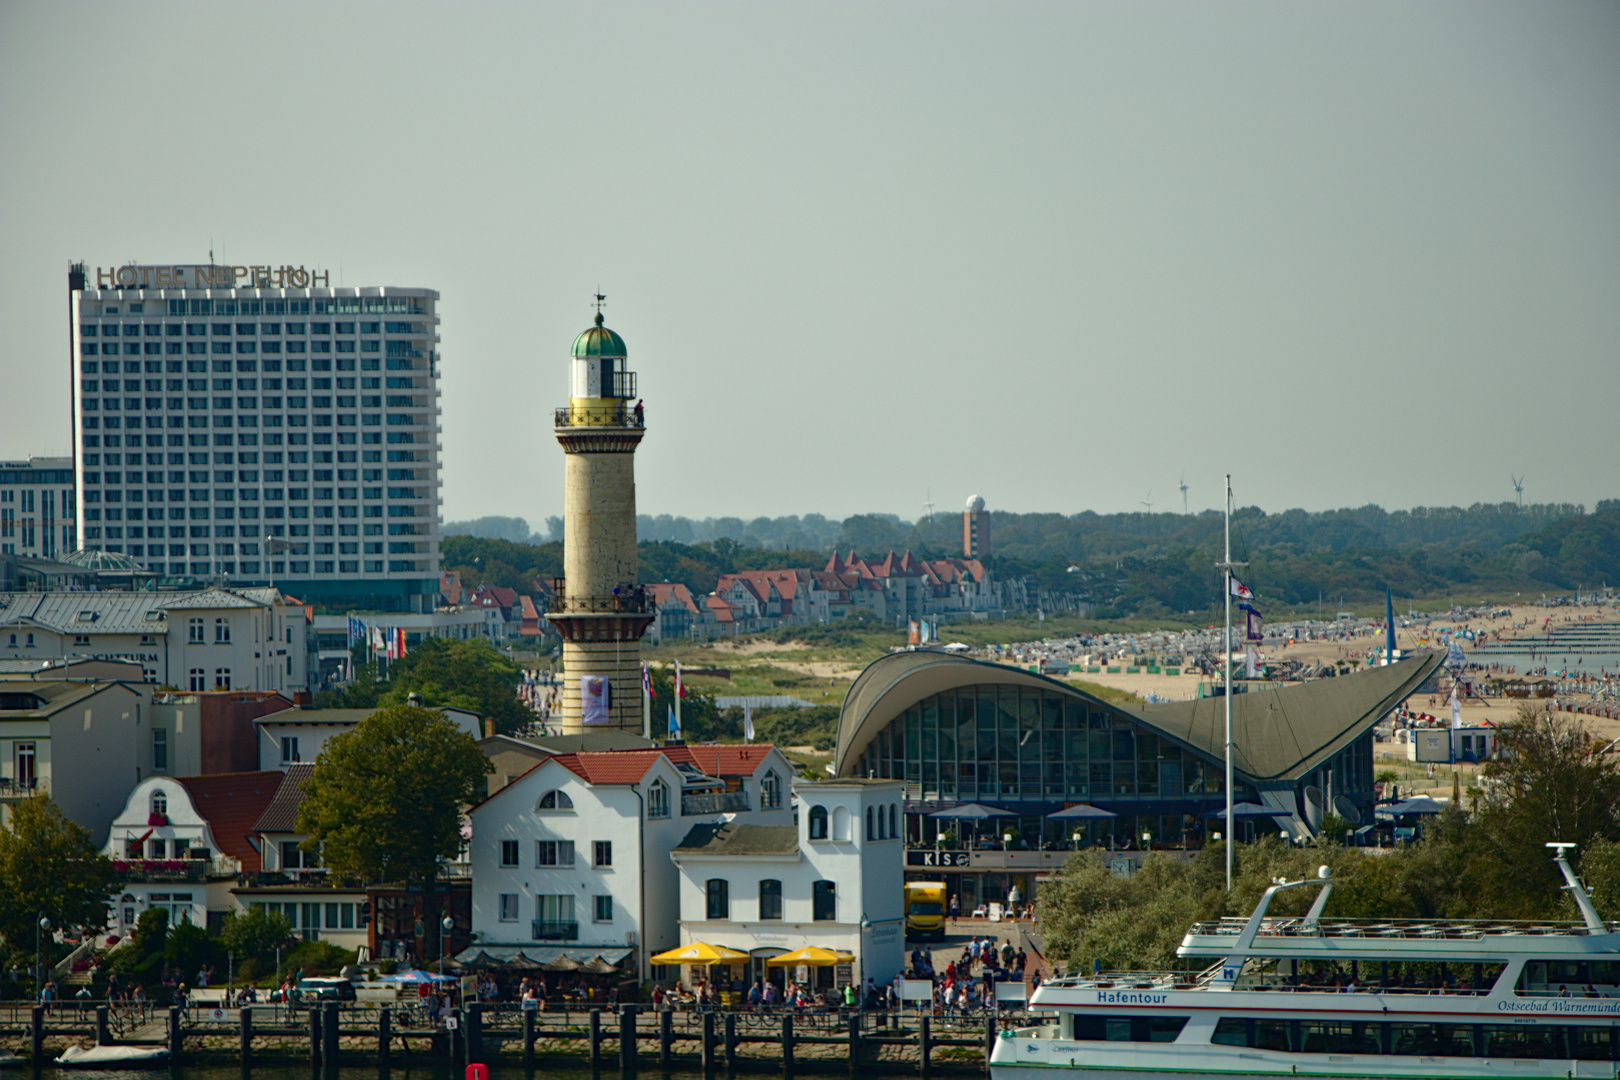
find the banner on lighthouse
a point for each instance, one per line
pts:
(595, 700)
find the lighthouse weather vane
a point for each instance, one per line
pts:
(601, 299)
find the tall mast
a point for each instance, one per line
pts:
(1227, 565)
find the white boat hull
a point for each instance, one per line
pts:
(1040, 1059)
(111, 1057)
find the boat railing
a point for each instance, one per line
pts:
(1130, 980)
(1412, 929)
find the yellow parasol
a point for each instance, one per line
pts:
(700, 952)
(812, 956)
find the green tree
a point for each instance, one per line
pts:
(1548, 787)
(256, 933)
(385, 800)
(448, 673)
(49, 866)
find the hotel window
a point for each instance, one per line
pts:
(222, 632)
(222, 678)
(658, 800)
(603, 909)
(509, 907)
(199, 679)
(770, 791)
(509, 852)
(555, 801)
(160, 753)
(194, 630)
(603, 853)
(289, 749)
(818, 823)
(770, 899)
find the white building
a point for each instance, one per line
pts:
(294, 882)
(80, 743)
(833, 879)
(255, 424)
(298, 735)
(214, 639)
(179, 843)
(37, 508)
(570, 856)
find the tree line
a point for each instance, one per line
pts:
(1490, 863)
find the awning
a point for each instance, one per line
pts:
(541, 954)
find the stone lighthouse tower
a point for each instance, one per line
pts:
(600, 610)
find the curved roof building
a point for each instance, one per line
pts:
(961, 731)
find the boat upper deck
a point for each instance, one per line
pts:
(1438, 938)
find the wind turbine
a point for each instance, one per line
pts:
(1148, 502)
(928, 507)
(1184, 494)
(1518, 486)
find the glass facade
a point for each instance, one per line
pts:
(1013, 744)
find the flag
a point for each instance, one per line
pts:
(1254, 629)
(388, 645)
(748, 723)
(357, 631)
(1241, 591)
(1251, 662)
(399, 643)
(646, 680)
(911, 631)
(377, 642)
(674, 724)
(595, 700)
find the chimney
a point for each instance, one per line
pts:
(489, 729)
(303, 699)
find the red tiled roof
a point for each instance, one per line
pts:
(232, 803)
(663, 593)
(609, 766)
(721, 759)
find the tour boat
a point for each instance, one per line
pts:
(112, 1057)
(1308, 996)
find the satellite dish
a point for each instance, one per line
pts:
(1346, 809)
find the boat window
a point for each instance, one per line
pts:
(1094, 1028)
(1231, 1031)
(1339, 1037)
(1569, 978)
(1591, 1043)
(1432, 1040)
(1525, 1041)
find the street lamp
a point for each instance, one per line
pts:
(448, 924)
(39, 969)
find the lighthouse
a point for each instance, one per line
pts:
(600, 610)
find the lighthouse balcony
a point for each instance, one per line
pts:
(631, 601)
(618, 415)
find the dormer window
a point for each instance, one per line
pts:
(770, 791)
(658, 800)
(555, 802)
(160, 803)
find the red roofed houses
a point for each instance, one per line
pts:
(678, 614)
(572, 857)
(180, 842)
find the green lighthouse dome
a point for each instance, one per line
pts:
(599, 341)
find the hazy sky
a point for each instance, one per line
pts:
(1055, 254)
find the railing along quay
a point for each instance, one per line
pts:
(827, 1040)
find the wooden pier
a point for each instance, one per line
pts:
(630, 1037)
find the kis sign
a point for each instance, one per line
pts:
(936, 858)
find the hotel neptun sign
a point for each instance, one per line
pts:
(209, 276)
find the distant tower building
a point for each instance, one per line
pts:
(975, 528)
(600, 611)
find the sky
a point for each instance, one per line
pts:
(871, 256)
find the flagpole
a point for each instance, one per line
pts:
(646, 702)
(1227, 566)
(679, 729)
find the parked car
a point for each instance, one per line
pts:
(323, 988)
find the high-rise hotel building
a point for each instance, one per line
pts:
(252, 423)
